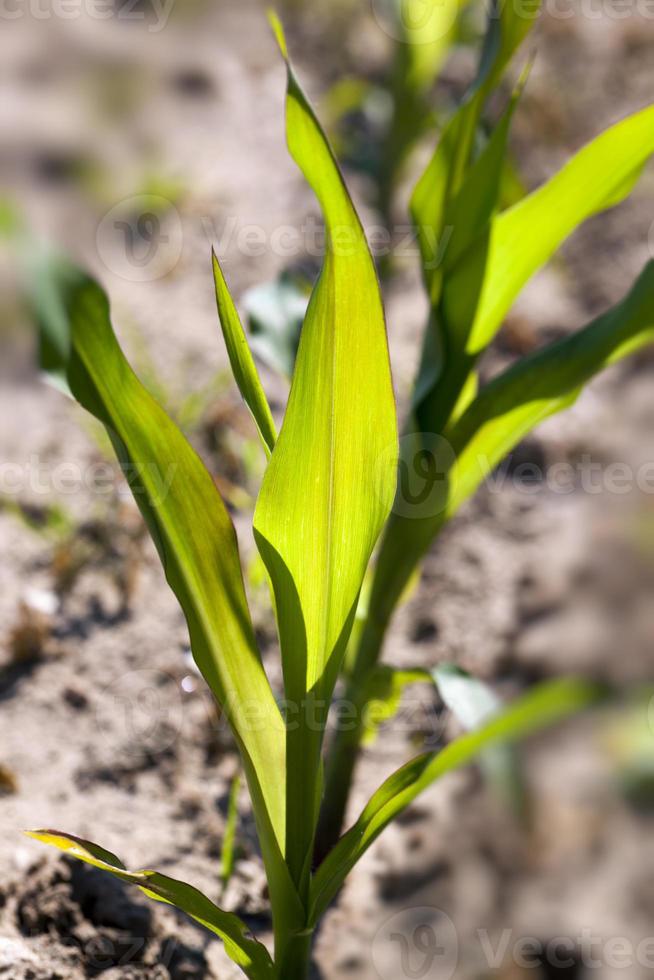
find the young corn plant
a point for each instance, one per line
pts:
(476, 258)
(330, 487)
(423, 35)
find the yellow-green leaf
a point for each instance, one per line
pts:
(544, 383)
(240, 945)
(502, 414)
(525, 237)
(508, 24)
(546, 704)
(190, 526)
(240, 357)
(331, 478)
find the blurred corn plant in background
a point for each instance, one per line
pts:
(335, 482)
(476, 258)
(397, 109)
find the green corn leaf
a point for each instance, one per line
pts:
(429, 202)
(467, 211)
(508, 24)
(331, 478)
(503, 258)
(426, 35)
(473, 702)
(503, 413)
(544, 383)
(241, 360)
(476, 201)
(481, 289)
(452, 207)
(252, 957)
(547, 703)
(189, 525)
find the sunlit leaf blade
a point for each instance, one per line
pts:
(477, 200)
(473, 702)
(243, 366)
(330, 481)
(523, 238)
(451, 208)
(503, 413)
(543, 383)
(240, 945)
(544, 705)
(190, 527)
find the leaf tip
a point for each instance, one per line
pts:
(523, 78)
(278, 31)
(39, 835)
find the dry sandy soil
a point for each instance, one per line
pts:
(107, 731)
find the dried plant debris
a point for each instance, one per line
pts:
(112, 545)
(30, 635)
(8, 781)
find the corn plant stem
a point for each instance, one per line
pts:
(394, 568)
(294, 962)
(393, 571)
(344, 750)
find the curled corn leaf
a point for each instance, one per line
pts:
(190, 526)
(602, 174)
(502, 414)
(545, 704)
(253, 957)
